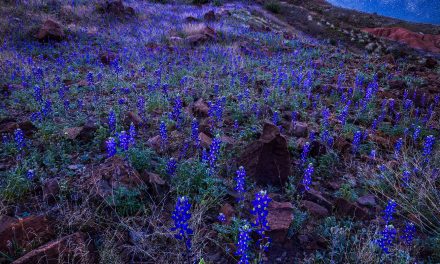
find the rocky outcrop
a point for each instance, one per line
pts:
(415, 40)
(268, 159)
(50, 30)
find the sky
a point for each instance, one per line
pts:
(425, 11)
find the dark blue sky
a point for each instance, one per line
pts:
(425, 11)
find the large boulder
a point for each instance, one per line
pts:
(24, 233)
(74, 248)
(50, 30)
(415, 40)
(268, 159)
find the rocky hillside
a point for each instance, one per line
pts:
(220, 132)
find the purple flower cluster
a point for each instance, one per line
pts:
(111, 147)
(20, 142)
(260, 211)
(387, 239)
(240, 183)
(243, 244)
(307, 179)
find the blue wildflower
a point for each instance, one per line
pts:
(181, 215)
(398, 147)
(111, 147)
(20, 142)
(112, 122)
(163, 133)
(240, 183)
(390, 209)
(243, 244)
(387, 239)
(30, 175)
(221, 218)
(356, 141)
(408, 233)
(171, 167)
(260, 211)
(123, 140)
(307, 179)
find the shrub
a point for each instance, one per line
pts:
(273, 6)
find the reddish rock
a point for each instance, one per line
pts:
(74, 248)
(205, 140)
(117, 8)
(228, 211)
(209, 16)
(108, 57)
(431, 63)
(9, 125)
(134, 118)
(268, 159)
(51, 189)
(298, 129)
(346, 208)
(415, 40)
(200, 108)
(342, 145)
(367, 200)
(72, 132)
(315, 209)
(280, 217)
(25, 232)
(155, 143)
(112, 174)
(155, 183)
(317, 197)
(50, 30)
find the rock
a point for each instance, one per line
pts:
(191, 19)
(155, 183)
(346, 208)
(155, 143)
(205, 140)
(9, 125)
(228, 211)
(315, 209)
(71, 132)
(50, 30)
(317, 197)
(117, 8)
(415, 40)
(199, 35)
(209, 16)
(134, 118)
(200, 108)
(112, 174)
(298, 129)
(367, 200)
(431, 63)
(268, 159)
(51, 189)
(84, 133)
(397, 84)
(25, 233)
(316, 147)
(280, 217)
(74, 248)
(108, 57)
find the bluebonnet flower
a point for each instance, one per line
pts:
(240, 183)
(398, 147)
(236, 125)
(387, 239)
(37, 94)
(344, 114)
(214, 152)
(163, 133)
(356, 141)
(204, 157)
(195, 132)
(66, 103)
(90, 78)
(260, 211)
(276, 118)
(132, 135)
(171, 167)
(406, 175)
(408, 233)
(243, 242)
(112, 122)
(389, 211)
(416, 133)
(80, 104)
(111, 147)
(373, 154)
(305, 152)
(20, 142)
(428, 145)
(123, 140)
(47, 108)
(221, 218)
(30, 175)
(181, 215)
(307, 179)
(177, 111)
(325, 117)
